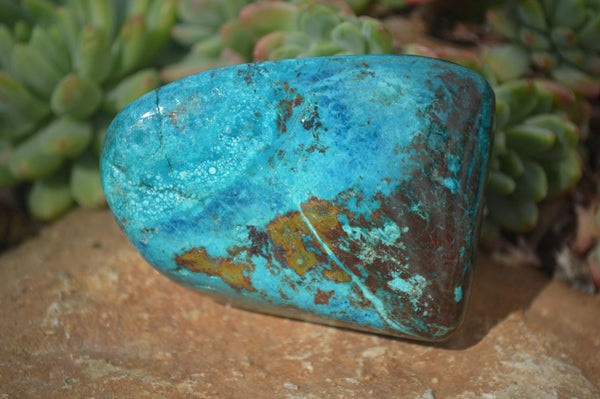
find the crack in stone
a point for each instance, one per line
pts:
(173, 188)
(379, 306)
(161, 132)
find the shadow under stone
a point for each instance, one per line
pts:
(498, 291)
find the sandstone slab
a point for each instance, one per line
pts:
(83, 315)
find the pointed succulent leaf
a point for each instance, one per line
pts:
(500, 182)
(566, 131)
(544, 60)
(534, 38)
(563, 173)
(92, 59)
(69, 27)
(502, 115)
(358, 5)
(76, 97)
(50, 197)
(199, 12)
(563, 36)
(64, 137)
(512, 213)
(102, 16)
(41, 11)
(188, 34)
(29, 161)
(562, 96)
(138, 7)
(580, 82)
(268, 16)
(378, 37)
(297, 38)
(85, 184)
(22, 31)
(506, 61)
(131, 44)
(529, 139)
(48, 42)
(266, 44)
(288, 51)
(210, 47)
(499, 144)
(545, 100)
(521, 97)
(532, 184)
(20, 109)
(160, 18)
(573, 55)
(532, 14)
(588, 36)
(569, 13)
(129, 89)
(348, 36)
(34, 69)
(511, 163)
(6, 46)
(324, 49)
(80, 11)
(237, 38)
(318, 21)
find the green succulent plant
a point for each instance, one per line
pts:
(198, 32)
(361, 5)
(270, 30)
(534, 155)
(322, 30)
(559, 38)
(66, 69)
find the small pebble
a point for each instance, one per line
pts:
(429, 394)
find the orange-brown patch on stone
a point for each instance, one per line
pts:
(287, 106)
(286, 234)
(336, 274)
(322, 297)
(197, 260)
(322, 215)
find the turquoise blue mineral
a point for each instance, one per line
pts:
(345, 190)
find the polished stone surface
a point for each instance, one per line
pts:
(346, 190)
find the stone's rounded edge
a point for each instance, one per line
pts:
(342, 59)
(487, 118)
(121, 121)
(173, 86)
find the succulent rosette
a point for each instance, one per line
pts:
(272, 30)
(66, 69)
(559, 38)
(535, 154)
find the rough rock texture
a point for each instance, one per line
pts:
(84, 316)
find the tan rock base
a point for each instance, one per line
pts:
(83, 315)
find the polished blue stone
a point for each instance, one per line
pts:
(344, 190)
